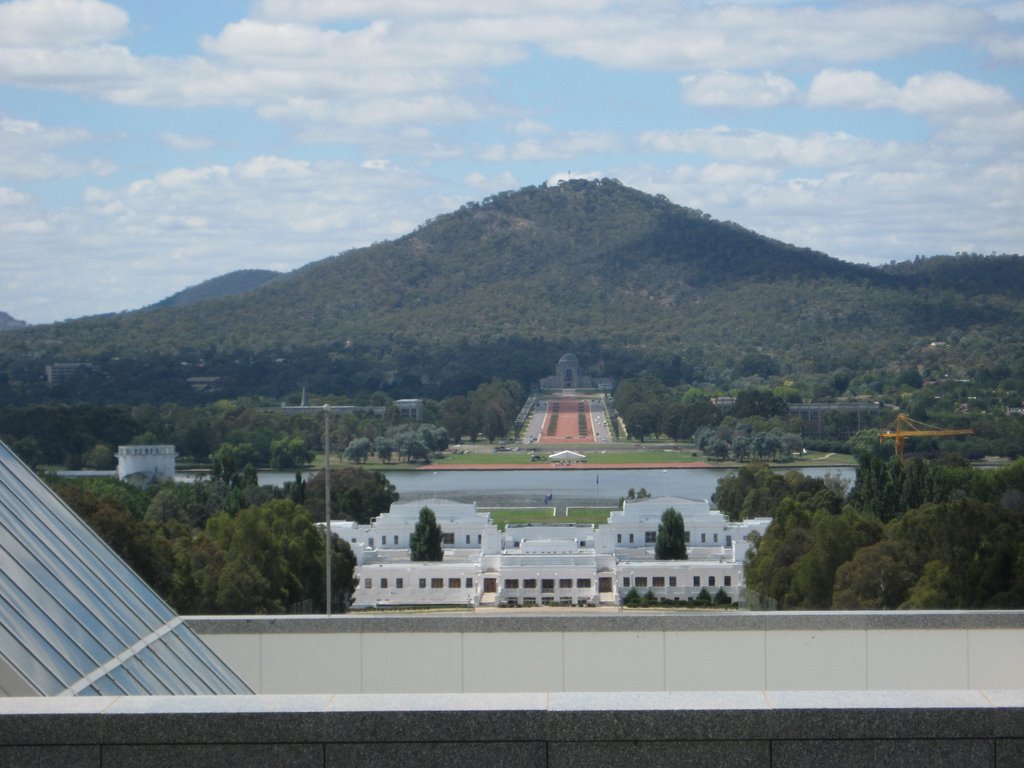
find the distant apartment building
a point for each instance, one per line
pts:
(59, 373)
(410, 408)
(837, 419)
(551, 564)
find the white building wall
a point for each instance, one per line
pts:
(156, 462)
(409, 583)
(545, 564)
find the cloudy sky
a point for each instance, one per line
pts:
(147, 146)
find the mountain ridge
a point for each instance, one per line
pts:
(7, 322)
(626, 279)
(232, 283)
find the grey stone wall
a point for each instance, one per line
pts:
(525, 650)
(581, 620)
(731, 730)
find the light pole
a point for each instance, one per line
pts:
(327, 409)
(327, 504)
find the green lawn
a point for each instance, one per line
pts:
(596, 457)
(542, 515)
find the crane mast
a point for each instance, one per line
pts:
(904, 427)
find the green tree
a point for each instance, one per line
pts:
(425, 543)
(757, 402)
(100, 457)
(343, 567)
(670, 543)
(384, 447)
(877, 578)
(358, 450)
(272, 558)
(357, 494)
(289, 453)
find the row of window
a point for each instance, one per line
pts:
(651, 537)
(659, 581)
(547, 585)
(446, 538)
(435, 583)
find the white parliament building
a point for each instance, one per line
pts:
(567, 564)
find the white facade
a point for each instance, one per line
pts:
(545, 564)
(146, 462)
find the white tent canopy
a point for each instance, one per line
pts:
(567, 456)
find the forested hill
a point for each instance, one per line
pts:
(7, 322)
(626, 280)
(232, 284)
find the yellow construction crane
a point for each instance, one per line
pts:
(905, 427)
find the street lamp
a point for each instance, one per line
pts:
(326, 409)
(327, 504)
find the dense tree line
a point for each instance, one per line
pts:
(230, 435)
(214, 546)
(908, 535)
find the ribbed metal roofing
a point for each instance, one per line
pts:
(75, 619)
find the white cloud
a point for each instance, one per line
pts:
(29, 150)
(485, 185)
(564, 146)
(729, 89)
(1006, 46)
(11, 197)
(401, 57)
(1008, 12)
(744, 36)
(811, 150)
(528, 127)
(495, 153)
(185, 143)
(428, 108)
(31, 23)
(335, 10)
(935, 93)
(188, 224)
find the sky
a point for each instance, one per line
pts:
(148, 146)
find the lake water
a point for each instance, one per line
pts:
(568, 487)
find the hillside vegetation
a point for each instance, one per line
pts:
(232, 284)
(626, 280)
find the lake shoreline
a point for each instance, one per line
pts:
(555, 467)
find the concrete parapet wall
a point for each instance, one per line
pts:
(782, 729)
(577, 651)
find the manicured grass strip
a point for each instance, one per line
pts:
(611, 457)
(520, 516)
(543, 516)
(586, 516)
(509, 457)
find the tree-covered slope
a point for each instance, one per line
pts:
(7, 322)
(619, 276)
(232, 284)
